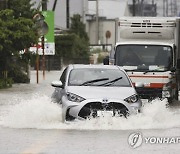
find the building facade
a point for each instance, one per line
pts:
(109, 12)
(105, 26)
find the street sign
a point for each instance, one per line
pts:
(108, 34)
(49, 44)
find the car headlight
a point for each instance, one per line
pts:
(74, 98)
(132, 99)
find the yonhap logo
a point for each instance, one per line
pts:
(135, 139)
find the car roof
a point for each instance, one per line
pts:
(75, 66)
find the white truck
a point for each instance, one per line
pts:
(148, 49)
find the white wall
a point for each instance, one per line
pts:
(105, 25)
(111, 10)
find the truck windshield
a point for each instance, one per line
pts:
(144, 57)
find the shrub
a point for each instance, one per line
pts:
(6, 83)
(18, 75)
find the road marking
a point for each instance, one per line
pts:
(37, 147)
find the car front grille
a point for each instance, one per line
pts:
(90, 109)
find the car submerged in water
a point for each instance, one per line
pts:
(89, 91)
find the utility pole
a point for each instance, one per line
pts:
(163, 8)
(134, 7)
(44, 8)
(84, 11)
(167, 13)
(54, 5)
(142, 7)
(67, 14)
(44, 5)
(97, 21)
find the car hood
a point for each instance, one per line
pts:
(92, 92)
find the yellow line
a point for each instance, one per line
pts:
(36, 147)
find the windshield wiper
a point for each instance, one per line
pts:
(92, 81)
(159, 69)
(111, 82)
(145, 72)
(130, 70)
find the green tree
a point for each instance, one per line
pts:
(75, 43)
(16, 32)
(71, 46)
(78, 27)
(22, 8)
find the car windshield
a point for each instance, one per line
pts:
(144, 57)
(98, 77)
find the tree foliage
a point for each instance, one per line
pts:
(22, 8)
(78, 27)
(71, 46)
(15, 34)
(16, 31)
(75, 43)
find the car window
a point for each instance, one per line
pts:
(79, 76)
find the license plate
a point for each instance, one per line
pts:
(104, 113)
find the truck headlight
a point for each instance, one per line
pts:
(132, 99)
(74, 98)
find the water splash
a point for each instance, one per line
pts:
(39, 112)
(33, 113)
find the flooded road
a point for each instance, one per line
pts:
(31, 123)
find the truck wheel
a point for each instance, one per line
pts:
(169, 100)
(177, 94)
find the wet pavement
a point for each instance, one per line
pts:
(31, 123)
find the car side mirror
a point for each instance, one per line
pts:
(139, 85)
(57, 84)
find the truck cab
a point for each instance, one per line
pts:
(147, 50)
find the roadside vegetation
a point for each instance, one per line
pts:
(18, 33)
(73, 45)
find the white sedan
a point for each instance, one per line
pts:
(89, 91)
